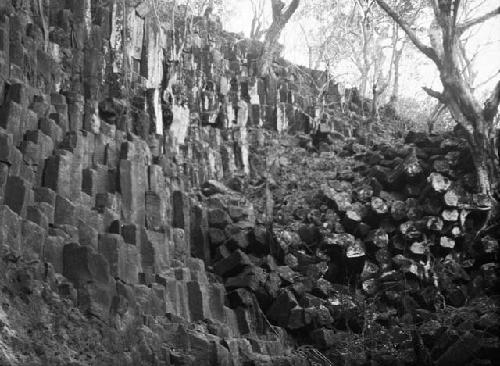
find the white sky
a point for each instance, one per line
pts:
(413, 76)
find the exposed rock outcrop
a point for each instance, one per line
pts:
(135, 205)
(107, 131)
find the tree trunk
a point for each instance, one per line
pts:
(270, 47)
(366, 62)
(375, 94)
(434, 116)
(395, 87)
(484, 153)
(478, 122)
(364, 83)
(280, 19)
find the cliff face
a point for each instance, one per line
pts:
(111, 118)
(142, 160)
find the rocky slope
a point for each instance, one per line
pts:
(136, 199)
(377, 251)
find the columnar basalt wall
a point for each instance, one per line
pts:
(110, 119)
(126, 235)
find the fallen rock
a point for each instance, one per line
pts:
(233, 264)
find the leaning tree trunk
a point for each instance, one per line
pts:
(479, 125)
(273, 34)
(467, 111)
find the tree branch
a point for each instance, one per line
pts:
(435, 7)
(435, 94)
(291, 9)
(456, 6)
(278, 12)
(277, 7)
(475, 21)
(487, 80)
(491, 105)
(280, 20)
(428, 51)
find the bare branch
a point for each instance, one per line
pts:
(357, 63)
(280, 20)
(256, 30)
(435, 94)
(487, 80)
(456, 6)
(304, 33)
(475, 21)
(435, 7)
(467, 69)
(426, 50)
(290, 10)
(470, 7)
